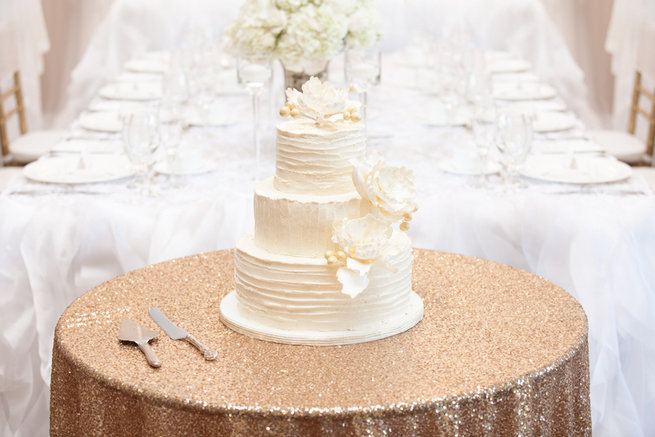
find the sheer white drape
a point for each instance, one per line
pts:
(31, 39)
(71, 24)
(628, 18)
(583, 24)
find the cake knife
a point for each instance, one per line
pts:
(177, 333)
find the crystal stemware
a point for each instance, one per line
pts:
(254, 72)
(140, 140)
(514, 141)
(362, 70)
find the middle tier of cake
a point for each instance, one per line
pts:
(300, 224)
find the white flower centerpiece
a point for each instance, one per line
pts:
(303, 34)
(363, 242)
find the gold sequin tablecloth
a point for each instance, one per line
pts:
(499, 352)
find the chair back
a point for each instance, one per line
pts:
(645, 65)
(9, 67)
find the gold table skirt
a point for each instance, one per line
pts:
(499, 352)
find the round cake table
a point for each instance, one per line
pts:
(499, 352)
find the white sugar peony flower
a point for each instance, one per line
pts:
(390, 190)
(320, 100)
(363, 239)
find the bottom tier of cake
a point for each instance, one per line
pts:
(299, 300)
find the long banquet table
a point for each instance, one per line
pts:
(597, 242)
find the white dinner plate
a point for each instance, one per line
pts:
(523, 91)
(468, 167)
(131, 91)
(508, 66)
(146, 65)
(66, 169)
(104, 121)
(587, 169)
(550, 121)
(186, 170)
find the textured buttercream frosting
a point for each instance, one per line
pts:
(317, 160)
(300, 224)
(295, 298)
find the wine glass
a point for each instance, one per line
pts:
(483, 125)
(362, 70)
(140, 140)
(254, 71)
(514, 142)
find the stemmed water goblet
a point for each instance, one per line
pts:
(362, 70)
(254, 71)
(140, 140)
(513, 143)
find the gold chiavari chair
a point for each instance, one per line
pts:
(27, 146)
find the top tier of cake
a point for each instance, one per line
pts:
(317, 160)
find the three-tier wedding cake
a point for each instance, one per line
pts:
(328, 262)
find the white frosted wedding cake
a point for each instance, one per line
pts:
(328, 262)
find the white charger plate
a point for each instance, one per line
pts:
(65, 169)
(550, 121)
(588, 169)
(530, 107)
(131, 91)
(566, 146)
(523, 91)
(103, 121)
(508, 66)
(75, 145)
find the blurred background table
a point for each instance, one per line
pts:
(500, 351)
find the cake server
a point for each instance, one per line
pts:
(177, 333)
(132, 331)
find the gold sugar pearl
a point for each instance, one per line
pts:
(285, 111)
(332, 260)
(404, 226)
(295, 113)
(407, 217)
(355, 116)
(329, 253)
(346, 115)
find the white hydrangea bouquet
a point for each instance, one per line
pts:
(303, 34)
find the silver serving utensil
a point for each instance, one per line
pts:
(177, 333)
(132, 331)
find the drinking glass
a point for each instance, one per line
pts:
(254, 71)
(513, 143)
(140, 140)
(362, 70)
